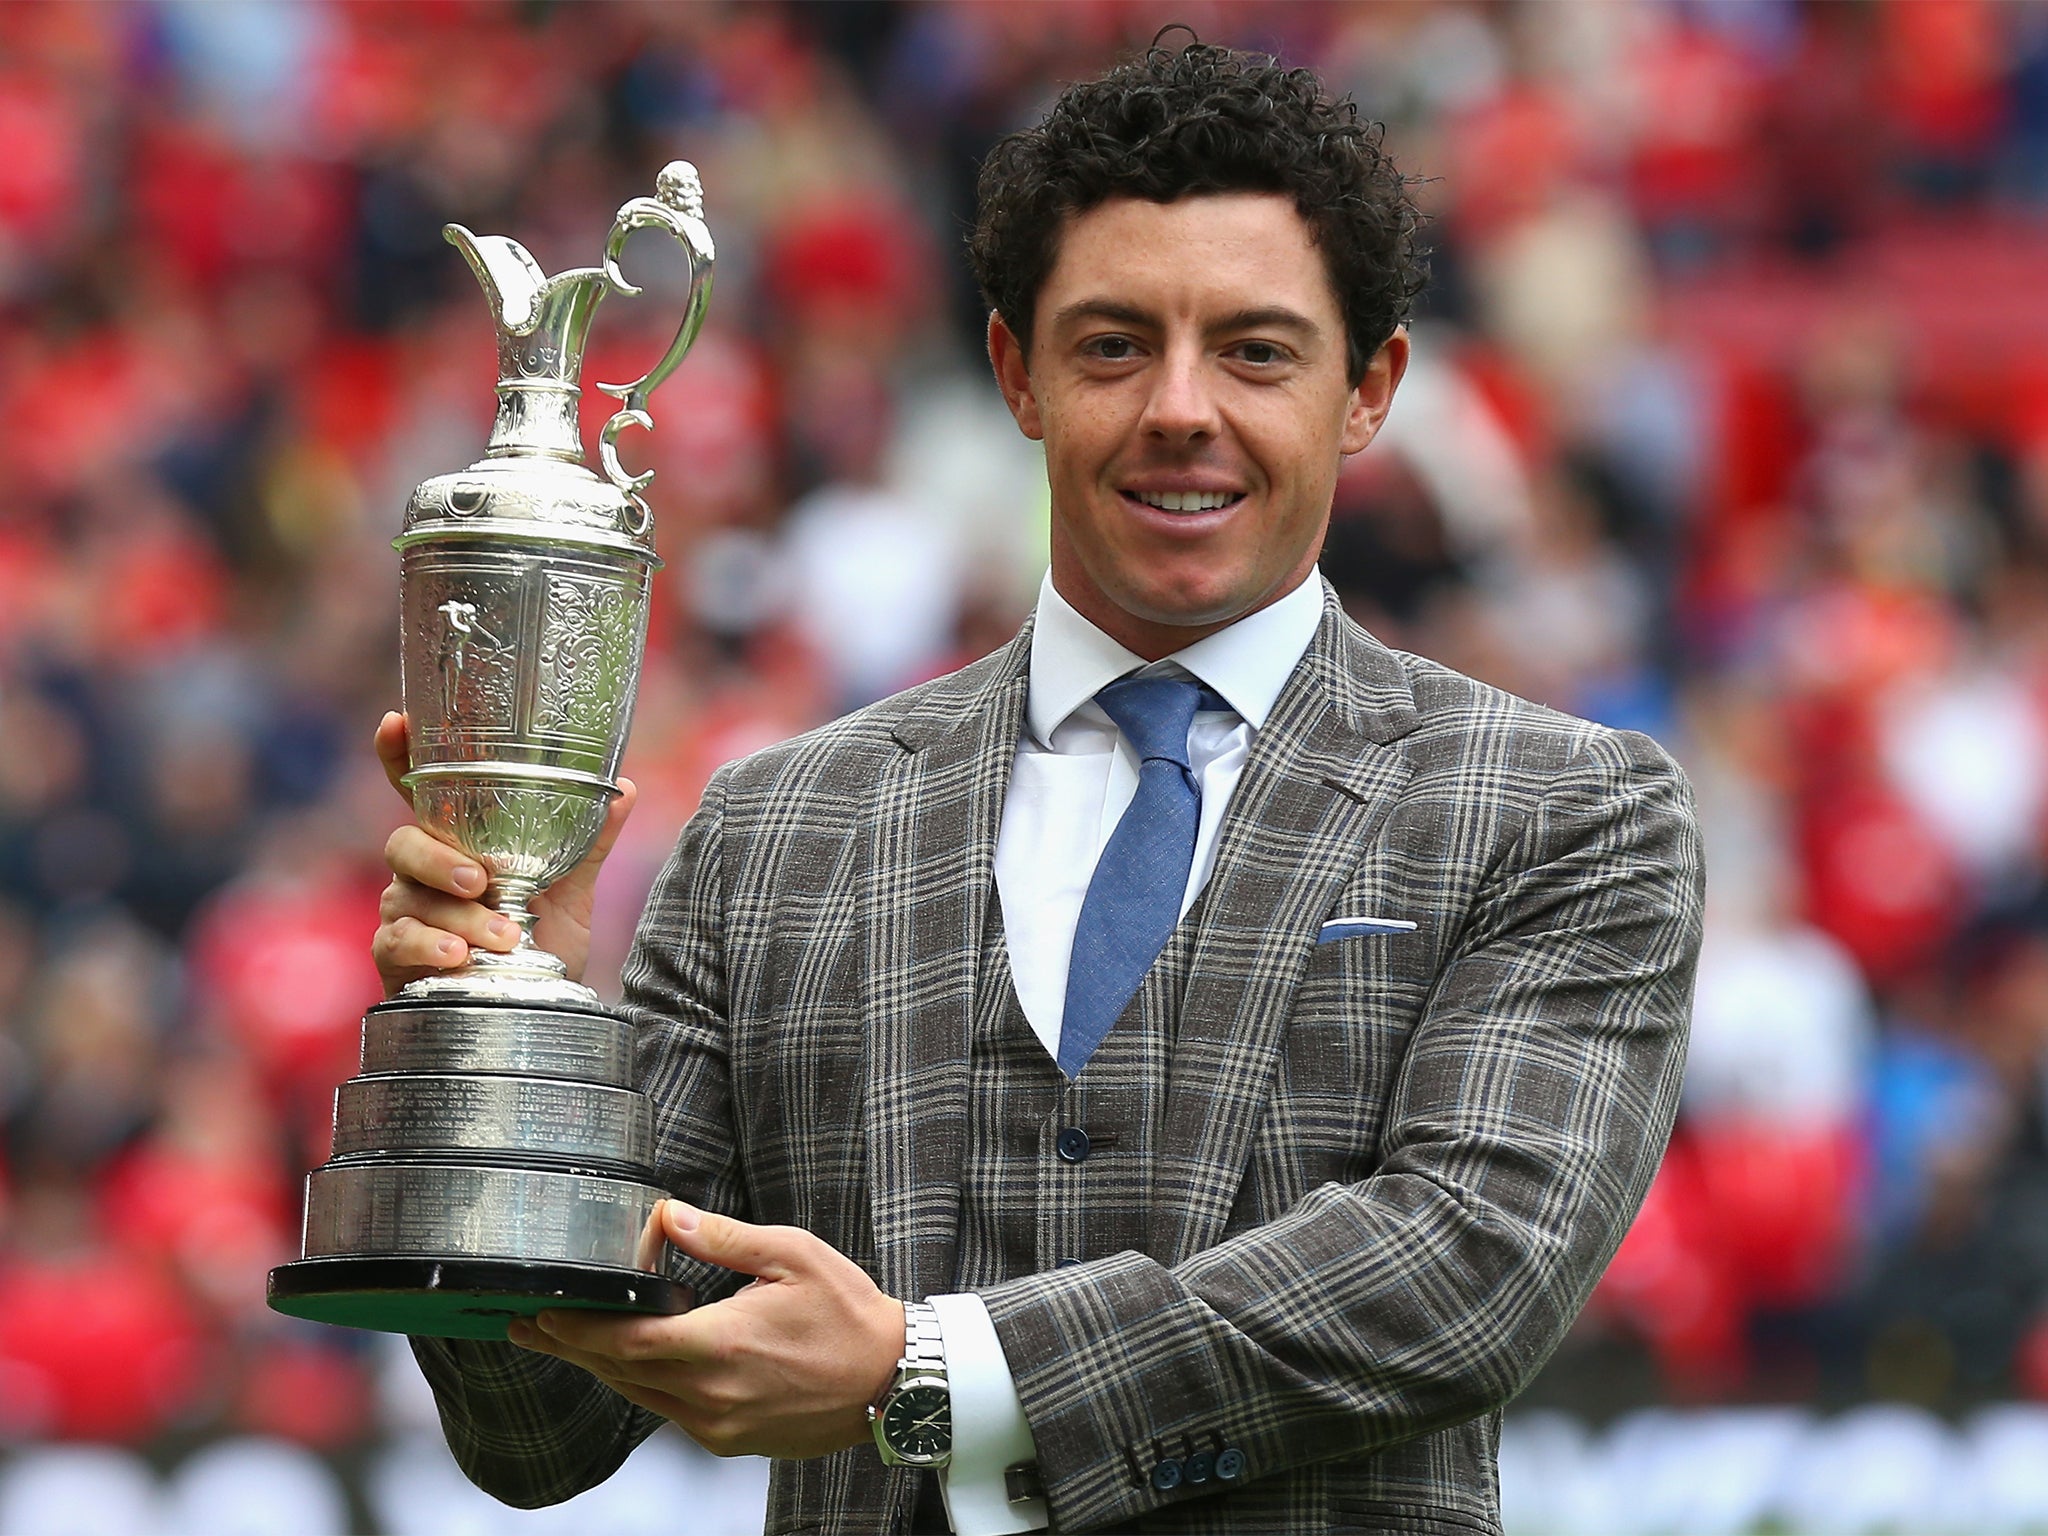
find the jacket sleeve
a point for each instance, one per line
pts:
(1532, 1106)
(530, 1429)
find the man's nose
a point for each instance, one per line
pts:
(1182, 406)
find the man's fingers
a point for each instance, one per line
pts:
(394, 749)
(406, 945)
(609, 1344)
(530, 1335)
(421, 930)
(419, 856)
(771, 1253)
(470, 921)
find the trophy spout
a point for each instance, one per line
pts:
(512, 280)
(542, 324)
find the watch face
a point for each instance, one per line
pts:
(918, 1421)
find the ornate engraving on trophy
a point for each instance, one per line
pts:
(529, 835)
(590, 635)
(542, 822)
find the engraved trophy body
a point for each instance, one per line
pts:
(493, 1156)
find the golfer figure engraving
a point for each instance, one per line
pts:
(462, 627)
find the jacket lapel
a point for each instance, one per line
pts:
(931, 858)
(1321, 777)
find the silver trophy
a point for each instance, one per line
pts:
(493, 1156)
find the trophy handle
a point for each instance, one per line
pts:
(678, 207)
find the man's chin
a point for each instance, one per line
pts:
(1194, 604)
(1164, 606)
(1185, 615)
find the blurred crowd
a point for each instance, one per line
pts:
(1728, 422)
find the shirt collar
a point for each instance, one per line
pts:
(1247, 662)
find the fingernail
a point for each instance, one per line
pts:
(448, 949)
(469, 878)
(504, 928)
(520, 1332)
(681, 1216)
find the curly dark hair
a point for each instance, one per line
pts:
(1174, 123)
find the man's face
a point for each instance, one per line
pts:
(1187, 376)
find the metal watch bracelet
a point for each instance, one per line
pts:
(924, 1342)
(920, 1375)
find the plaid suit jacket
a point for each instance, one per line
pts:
(1392, 1166)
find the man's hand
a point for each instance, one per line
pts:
(430, 917)
(784, 1367)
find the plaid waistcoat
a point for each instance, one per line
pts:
(1024, 1206)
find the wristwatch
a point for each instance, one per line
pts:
(913, 1417)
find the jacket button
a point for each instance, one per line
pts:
(1196, 1468)
(1072, 1145)
(1068, 1264)
(1166, 1476)
(1230, 1464)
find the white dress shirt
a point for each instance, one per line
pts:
(1072, 780)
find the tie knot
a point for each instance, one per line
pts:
(1154, 714)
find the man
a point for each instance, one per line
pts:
(1256, 1040)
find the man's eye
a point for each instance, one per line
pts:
(1259, 352)
(1112, 348)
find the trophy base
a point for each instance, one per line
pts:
(489, 1162)
(459, 1298)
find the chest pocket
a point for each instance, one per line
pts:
(1353, 1013)
(1360, 994)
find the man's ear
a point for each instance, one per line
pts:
(1375, 392)
(1013, 378)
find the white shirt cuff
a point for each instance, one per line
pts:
(990, 1431)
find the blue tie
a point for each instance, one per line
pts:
(1133, 900)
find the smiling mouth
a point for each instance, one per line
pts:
(1185, 501)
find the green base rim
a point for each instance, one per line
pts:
(459, 1298)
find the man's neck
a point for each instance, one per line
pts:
(1149, 638)
(1247, 663)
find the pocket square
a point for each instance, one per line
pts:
(1352, 927)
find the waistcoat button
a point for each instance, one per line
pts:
(1072, 1144)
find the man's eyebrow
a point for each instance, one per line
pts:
(1105, 309)
(1259, 317)
(1268, 317)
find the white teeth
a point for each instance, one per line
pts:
(1185, 501)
